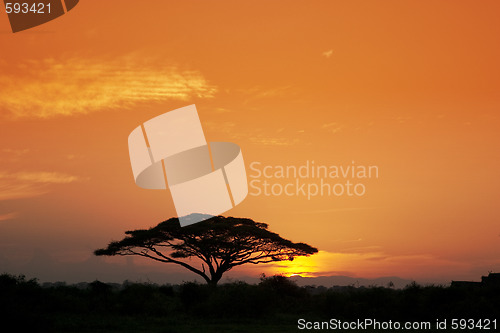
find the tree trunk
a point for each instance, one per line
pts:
(214, 279)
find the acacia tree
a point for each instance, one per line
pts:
(220, 243)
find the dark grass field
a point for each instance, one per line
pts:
(273, 305)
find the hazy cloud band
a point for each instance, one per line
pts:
(52, 87)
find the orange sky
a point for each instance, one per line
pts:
(409, 86)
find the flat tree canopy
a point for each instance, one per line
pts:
(221, 243)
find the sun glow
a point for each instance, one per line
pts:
(301, 266)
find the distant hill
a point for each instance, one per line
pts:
(47, 269)
(329, 281)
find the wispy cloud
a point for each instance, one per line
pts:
(272, 141)
(20, 185)
(43, 177)
(8, 216)
(252, 94)
(335, 210)
(222, 110)
(16, 152)
(327, 54)
(332, 127)
(53, 87)
(258, 92)
(255, 135)
(12, 155)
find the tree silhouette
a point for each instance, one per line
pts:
(221, 243)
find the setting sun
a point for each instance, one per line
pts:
(302, 266)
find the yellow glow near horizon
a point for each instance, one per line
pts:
(303, 266)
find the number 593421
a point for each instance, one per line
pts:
(25, 8)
